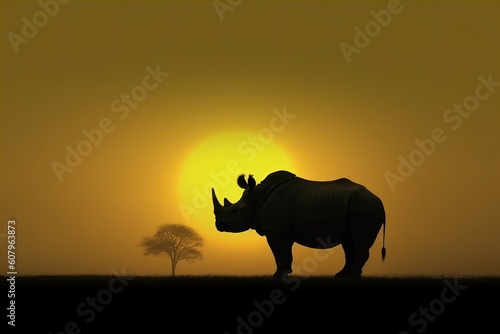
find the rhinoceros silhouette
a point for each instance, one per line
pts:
(287, 209)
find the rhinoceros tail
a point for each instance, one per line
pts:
(383, 243)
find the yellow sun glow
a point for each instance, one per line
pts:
(216, 163)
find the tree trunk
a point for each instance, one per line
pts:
(173, 268)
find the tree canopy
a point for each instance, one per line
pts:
(178, 242)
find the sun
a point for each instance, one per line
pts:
(216, 163)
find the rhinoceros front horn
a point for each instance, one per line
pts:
(217, 205)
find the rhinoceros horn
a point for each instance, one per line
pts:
(217, 205)
(226, 202)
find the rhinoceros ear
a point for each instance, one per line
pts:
(251, 181)
(241, 181)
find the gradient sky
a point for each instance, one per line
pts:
(260, 86)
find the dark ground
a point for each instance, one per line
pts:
(213, 304)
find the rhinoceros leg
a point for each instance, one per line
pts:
(361, 255)
(362, 237)
(356, 245)
(348, 247)
(281, 247)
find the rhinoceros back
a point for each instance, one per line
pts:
(265, 188)
(308, 211)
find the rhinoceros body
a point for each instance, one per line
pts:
(287, 209)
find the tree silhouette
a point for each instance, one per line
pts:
(178, 242)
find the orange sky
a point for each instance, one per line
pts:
(160, 96)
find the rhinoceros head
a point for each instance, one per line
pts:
(237, 217)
